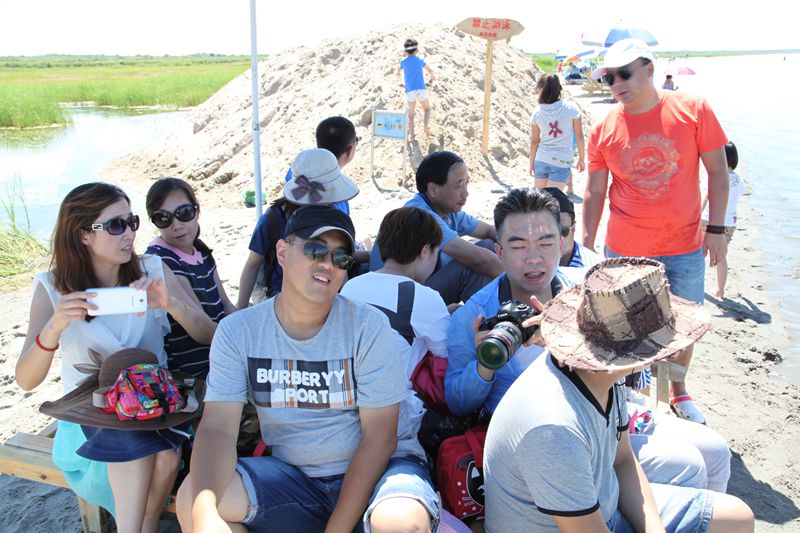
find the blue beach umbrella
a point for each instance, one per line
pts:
(617, 33)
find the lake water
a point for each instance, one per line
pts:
(754, 99)
(45, 164)
(753, 96)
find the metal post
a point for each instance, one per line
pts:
(256, 125)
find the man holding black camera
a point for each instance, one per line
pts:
(486, 355)
(529, 247)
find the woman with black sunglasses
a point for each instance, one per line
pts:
(173, 208)
(129, 472)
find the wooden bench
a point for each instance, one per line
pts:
(28, 456)
(592, 86)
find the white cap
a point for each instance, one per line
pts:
(622, 53)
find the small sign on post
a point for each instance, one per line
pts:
(491, 30)
(388, 125)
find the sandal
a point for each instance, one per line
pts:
(684, 407)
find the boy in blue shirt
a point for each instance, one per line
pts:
(416, 91)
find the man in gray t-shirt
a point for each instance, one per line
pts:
(524, 491)
(557, 453)
(324, 378)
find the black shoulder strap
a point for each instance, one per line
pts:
(504, 289)
(275, 219)
(400, 320)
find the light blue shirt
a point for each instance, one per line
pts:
(453, 225)
(464, 388)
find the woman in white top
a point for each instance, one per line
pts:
(553, 126)
(92, 247)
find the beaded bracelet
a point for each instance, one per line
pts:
(45, 348)
(715, 230)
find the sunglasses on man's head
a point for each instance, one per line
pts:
(625, 73)
(319, 252)
(184, 213)
(115, 226)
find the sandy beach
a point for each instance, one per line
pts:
(730, 375)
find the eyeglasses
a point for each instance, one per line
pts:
(565, 230)
(319, 252)
(184, 213)
(624, 73)
(115, 226)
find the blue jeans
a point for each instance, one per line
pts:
(282, 498)
(685, 272)
(680, 508)
(550, 172)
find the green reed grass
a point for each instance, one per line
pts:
(31, 94)
(20, 252)
(545, 62)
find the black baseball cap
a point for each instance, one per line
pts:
(565, 205)
(311, 221)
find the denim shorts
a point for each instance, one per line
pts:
(283, 498)
(680, 509)
(685, 272)
(123, 445)
(550, 172)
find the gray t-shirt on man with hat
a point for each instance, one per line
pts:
(307, 393)
(550, 450)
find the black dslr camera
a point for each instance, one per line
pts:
(506, 334)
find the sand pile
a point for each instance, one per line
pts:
(301, 86)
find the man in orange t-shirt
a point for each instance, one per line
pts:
(652, 144)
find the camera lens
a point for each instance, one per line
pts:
(499, 345)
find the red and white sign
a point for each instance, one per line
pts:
(492, 29)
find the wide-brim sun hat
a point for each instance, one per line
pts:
(78, 406)
(622, 53)
(622, 317)
(317, 179)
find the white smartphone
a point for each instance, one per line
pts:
(117, 301)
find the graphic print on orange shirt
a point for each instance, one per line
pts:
(650, 162)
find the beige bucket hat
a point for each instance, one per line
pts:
(623, 317)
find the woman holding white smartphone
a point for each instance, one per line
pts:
(130, 473)
(173, 208)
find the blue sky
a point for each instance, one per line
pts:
(34, 27)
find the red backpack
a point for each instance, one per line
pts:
(143, 392)
(459, 473)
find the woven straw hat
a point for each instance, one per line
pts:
(622, 318)
(77, 406)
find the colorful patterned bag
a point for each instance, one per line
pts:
(143, 392)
